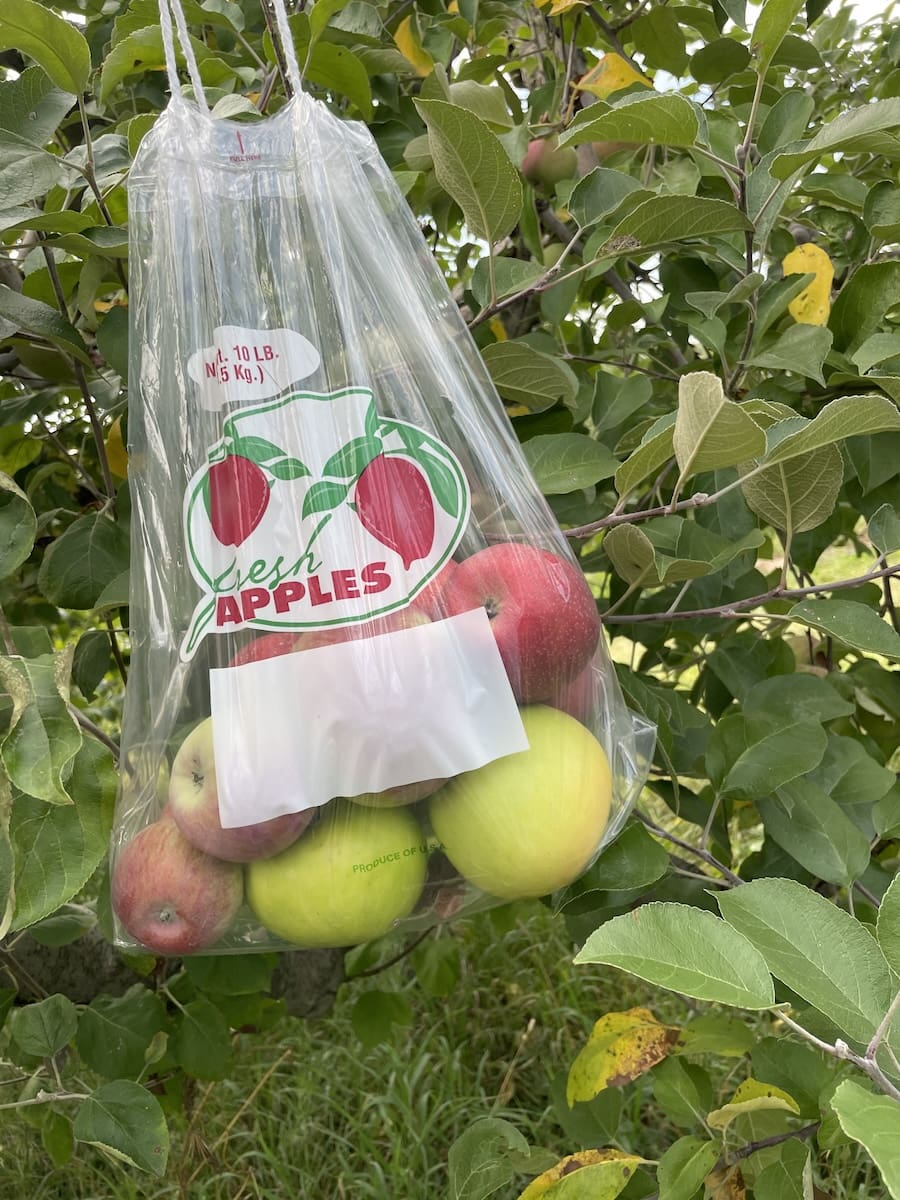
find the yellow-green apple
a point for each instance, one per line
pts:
(395, 797)
(170, 896)
(542, 613)
(356, 872)
(194, 806)
(529, 823)
(431, 599)
(545, 164)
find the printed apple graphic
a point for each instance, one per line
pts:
(542, 614)
(395, 797)
(545, 164)
(356, 872)
(238, 495)
(393, 502)
(527, 824)
(170, 896)
(194, 806)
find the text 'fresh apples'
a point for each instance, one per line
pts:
(194, 805)
(170, 896)
(346, 881)
(527, 824)
(542, 613)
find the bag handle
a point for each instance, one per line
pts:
(168, 40)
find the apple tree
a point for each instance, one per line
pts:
(673, 230)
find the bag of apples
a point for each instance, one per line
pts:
(368, 680)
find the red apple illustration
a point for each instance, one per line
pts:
(238, 498)
(394, 503)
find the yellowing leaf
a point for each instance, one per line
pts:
(563, 6)
(611, 74)
(622, 1046)
(813, 305)
(726, 1185)
(751, 1096)
(609, 1171)
(406, 39)
(498, 329)
(116, 454)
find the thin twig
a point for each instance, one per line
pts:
(738, 606)
(116, 651)
(391, 962)
(610, 34)
(708, 858)
(95, 731)
(71, 460)
(806, 1131)
(881, 1031)
(842, 1051)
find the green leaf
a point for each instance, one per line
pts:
(874, 1122)
(230, 975)
(684, 1166)
(481, 1159)
(881, 211)
(889, 925)
(473, 167)
(601, 191)
(26, 172)
(757, 754)
(564, 462)
(438, 966)
(718, 59)
(53, 43)
(93, 658)
(33, 316)
(112, 339)
(662, 120)
(859, 131)
(786, 120)
(58, 848)
(810, 826)
(201, 1042)
(116, 594)
(796, 932)
(66, 925)
(752, 1096)
(655, 450)
(45, 1027)
(884, 529)
(852, 623)
(91, 553)
(772, 24)
(375, 1013)
(523, 375)
(510, 275)
(664, 219)
(671, 550)
(710, 431)
(18, 526)
(114, 1031)
(43, 736)
(683, 1091)
(32, 108)
(715, 1034)
(801, 349)
(633, 860)
(863, 303)
(338, 69)
(796, 697)
(798, 494)
(659, 38)
(323, 497)
(124, 1119)
(57, 1137)
(683, 949)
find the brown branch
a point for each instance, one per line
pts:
(708, 858)
(612, 37)
(95, 731)
(698, 500)
(776, 1139)
(736, 607)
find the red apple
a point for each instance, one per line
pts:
(170, 896)
(546, 165)
(273, 645)
(394, 797)
(431, 599)
(270, 645)
(576, 697)
(542, 614)
(194, 806)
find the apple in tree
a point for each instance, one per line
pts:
(194, 806)
(356, 872)
(170, 896)
(545, 164)
(542, 613)
(527, 824)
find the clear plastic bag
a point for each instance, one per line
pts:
(368, 681)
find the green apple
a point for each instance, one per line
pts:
(404, 793)
(347, 880)
(529, 823)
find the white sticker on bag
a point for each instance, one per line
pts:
(243, 365)
(420, 703)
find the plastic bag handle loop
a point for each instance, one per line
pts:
(168, 40)
(287, 45)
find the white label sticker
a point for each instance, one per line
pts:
(243, 365)
(427, 702)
